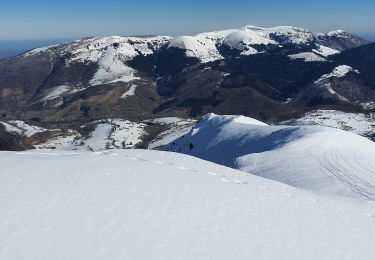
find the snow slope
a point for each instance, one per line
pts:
(58, 91)
(338, 72)
(175, 128)
(307, 56)
(130, 92)
(139, 204)
(354, 122)
(205, 46)
(246, 39)
(115, 133)
(110, 53)
(315, 158)
(106, 134)
(198, 47)
(22, 128)
(112, 68)
(98, 139)
(325, 51)
(71, 140)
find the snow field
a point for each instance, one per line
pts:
(139, 204)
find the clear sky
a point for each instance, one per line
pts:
(42, 19)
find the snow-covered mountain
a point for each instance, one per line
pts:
(316, 158)
(154, 205)
(343, 85)
(204, 46)
(110, 53)
(137, 78)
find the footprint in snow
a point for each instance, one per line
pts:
(159, 162)
(212, 173)
(223, 179)
(239, 182)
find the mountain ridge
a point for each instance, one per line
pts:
(87, 79)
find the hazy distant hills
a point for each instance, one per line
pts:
(7, 53)
(10, 48)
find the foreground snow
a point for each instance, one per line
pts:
(139, 204)
(315, 158)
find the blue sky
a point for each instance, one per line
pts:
(41, 19)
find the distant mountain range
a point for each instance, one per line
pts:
(10, 48)
(272, 74)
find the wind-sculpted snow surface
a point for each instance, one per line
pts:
(315, 158)
(140, 204)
